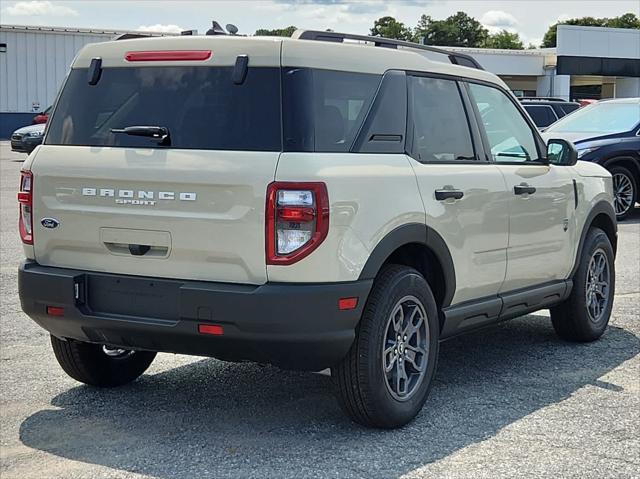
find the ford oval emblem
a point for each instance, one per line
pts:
(49, 222)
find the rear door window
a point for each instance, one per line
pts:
(440, 124)
(201, 107)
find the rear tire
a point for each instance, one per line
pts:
(94, 365)
(385, 378)
(625, 191)
(584, 315)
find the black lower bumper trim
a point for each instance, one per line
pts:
(294, 326)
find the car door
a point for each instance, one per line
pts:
(541, 203)
(464, 194)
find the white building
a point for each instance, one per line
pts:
(588, 62)
(33, 64)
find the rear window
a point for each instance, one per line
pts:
(542, 115)
(569, 107)
(324, 110)
(201, 107)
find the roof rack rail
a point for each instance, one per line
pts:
(454, 57)
(130, 36)
(544, 98)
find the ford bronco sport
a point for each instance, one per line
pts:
(325, 201)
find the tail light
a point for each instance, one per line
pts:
(297, 220)
(25, 200)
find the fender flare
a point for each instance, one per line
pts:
(601, 207)
(408, 234)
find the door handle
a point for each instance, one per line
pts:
(523, 189)
(442, 195)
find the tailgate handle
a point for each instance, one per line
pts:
(139, 249)
(127, 249)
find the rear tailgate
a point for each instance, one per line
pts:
(215, 232)
(190, 208)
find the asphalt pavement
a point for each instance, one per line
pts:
(511, 401)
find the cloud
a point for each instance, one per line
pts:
(369, 6)
(158, 27)
(498, 18)
(36, 7)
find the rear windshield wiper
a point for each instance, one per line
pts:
(160, 133)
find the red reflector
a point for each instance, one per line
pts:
(296, 213)
(55, 311)
(168, 55)
(210, 329)
(24, 197)
(347, 303)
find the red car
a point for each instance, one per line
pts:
(41, 117)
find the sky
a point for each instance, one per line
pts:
(530, 18)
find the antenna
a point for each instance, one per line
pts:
(231, 28)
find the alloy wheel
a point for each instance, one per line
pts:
(597, 285)
(622, 193)
(405, 350)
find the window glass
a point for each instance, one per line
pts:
(509, 134)
(569, 107)
(323, 109)
(542, 115)
(201, 107)
(602, 117)
(440, 126)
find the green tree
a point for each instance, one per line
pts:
(505, 40)
(389, 27)
(628, 20)
(278, 32)
(459, 30)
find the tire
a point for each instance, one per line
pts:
(625, 191)
(363, 390)
(90, 364)
(574, 320)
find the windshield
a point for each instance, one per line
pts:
(603, 118)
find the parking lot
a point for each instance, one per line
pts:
(509, 401)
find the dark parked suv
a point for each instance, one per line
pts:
(608, 133)
(545, 111)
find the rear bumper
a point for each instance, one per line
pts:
(294, 326)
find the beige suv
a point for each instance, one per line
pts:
(326, 201)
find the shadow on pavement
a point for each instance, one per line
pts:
(634, 218)
(215, 419)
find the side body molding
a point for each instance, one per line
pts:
(417, 234)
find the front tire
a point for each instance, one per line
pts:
(98, 365)
(585, 314)
(385, 378)
(625, 191)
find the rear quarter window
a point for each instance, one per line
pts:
(201, 107)
(323, 110)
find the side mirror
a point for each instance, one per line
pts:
(561, 152)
